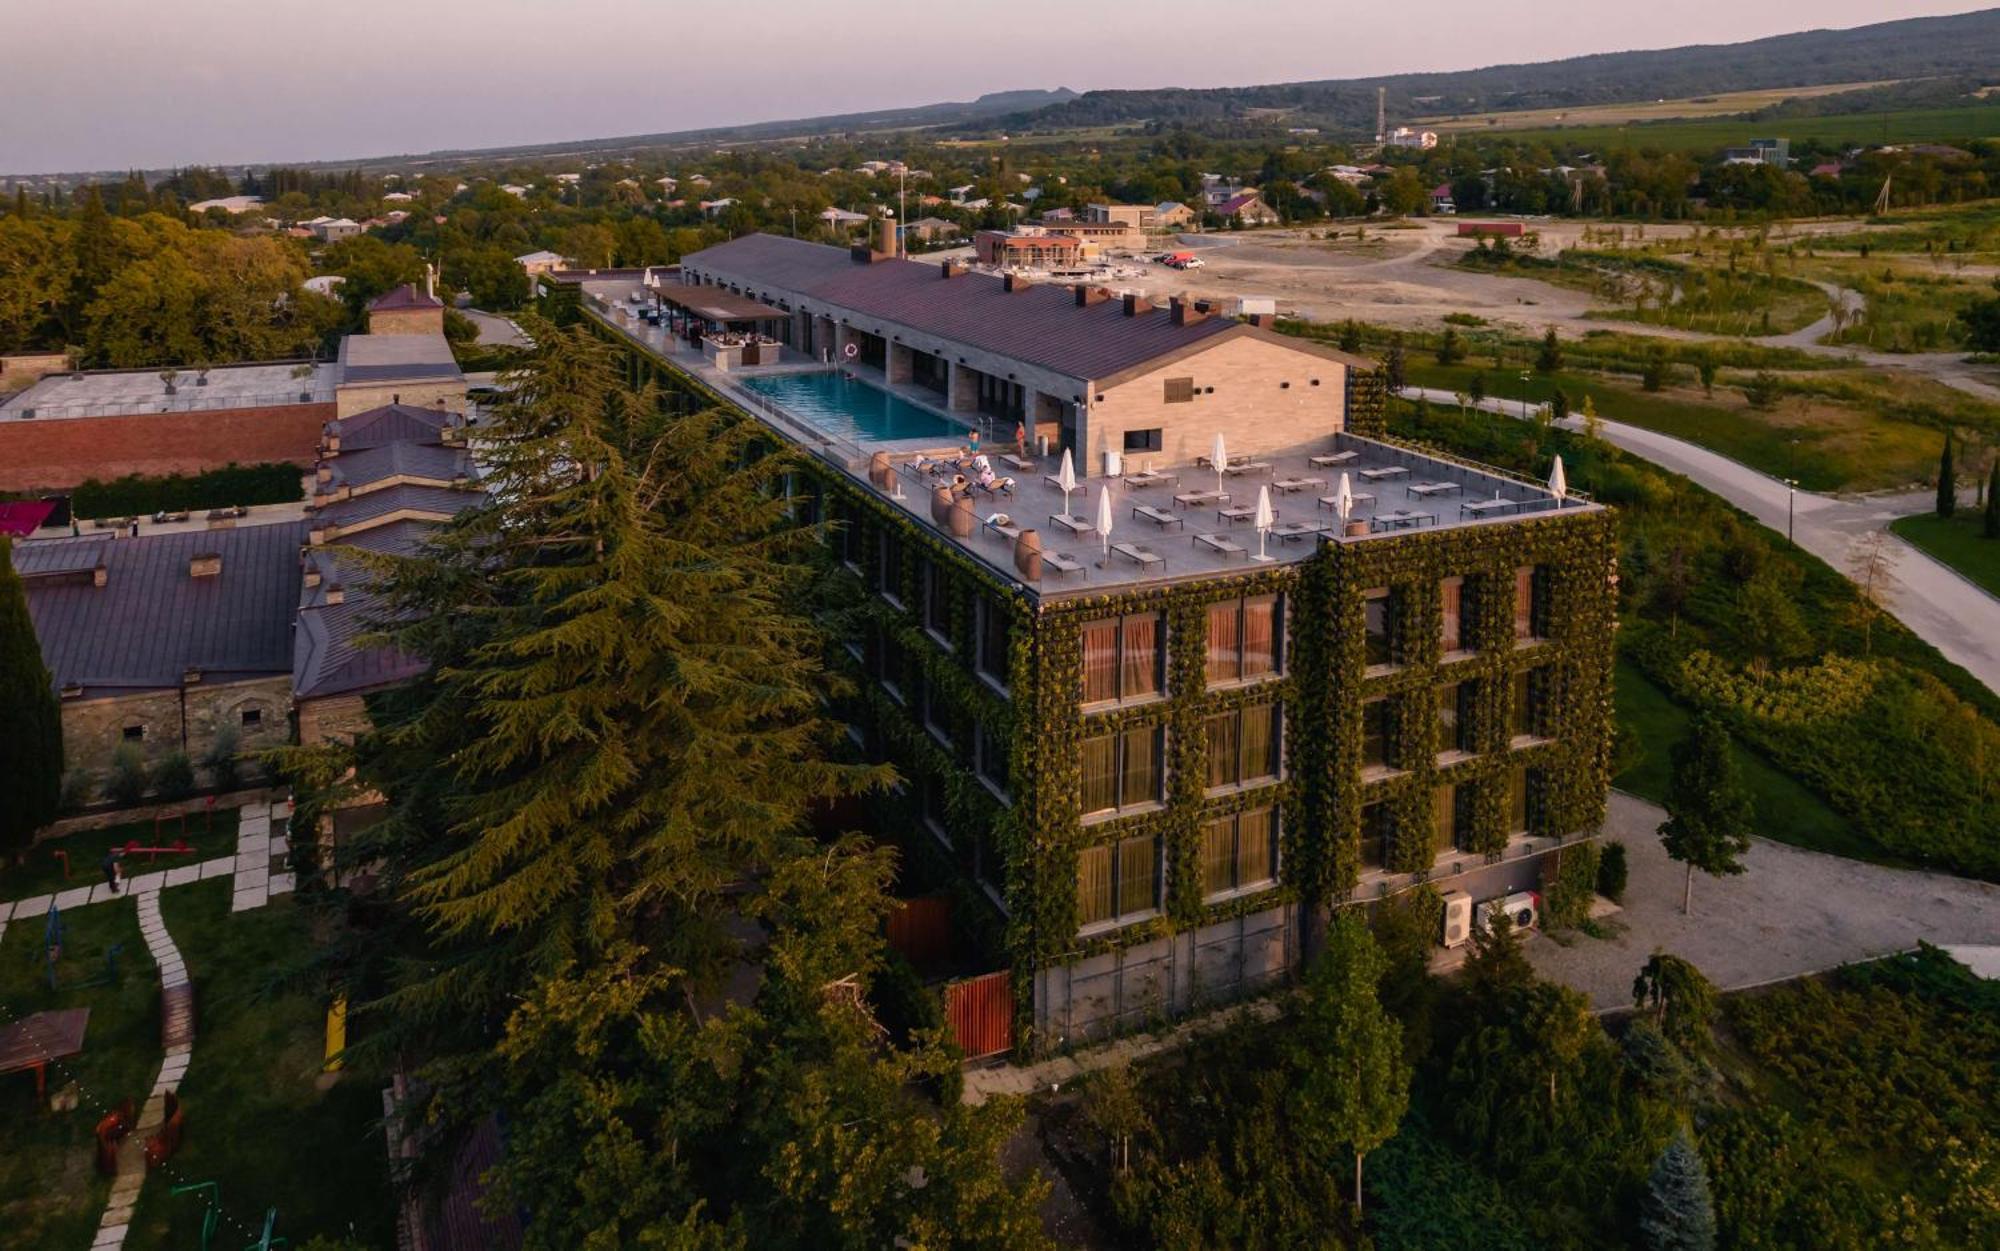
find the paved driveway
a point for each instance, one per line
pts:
(1792, 912)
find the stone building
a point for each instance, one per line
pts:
(165, 641)
(406, 310)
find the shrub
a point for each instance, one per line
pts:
(76, 786)
(173, 777)
(1612, 871)
(135, 496)
(1570, 883)
(127, 783)
(225, 767)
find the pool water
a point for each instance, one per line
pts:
(854, 410)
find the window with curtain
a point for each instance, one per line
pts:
(1243, 745)
(994, 627)
(1239, 852)
(1374, 836)
(1520, 782)
(1245, 639)
(1378, 615)
(1122, 658)
(1525, 592)
(1444, 819)
(1524, 700)
(1122, 770)
(1118, 881)
(1451, 599)
(1375, 734)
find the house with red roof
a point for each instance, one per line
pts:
(1248, 208)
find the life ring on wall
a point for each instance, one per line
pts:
(851, 351)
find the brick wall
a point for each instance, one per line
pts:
(406, 321)
(56, 453)
(353, 398)
(1251, 404)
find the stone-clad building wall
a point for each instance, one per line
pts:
(186, 719)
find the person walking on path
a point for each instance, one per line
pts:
(114, 871)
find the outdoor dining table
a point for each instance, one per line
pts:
(1431, 488)
(1195, 499)
(1386, 471)
(1329, 459)
(40, 1040)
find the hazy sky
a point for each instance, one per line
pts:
(105, 84)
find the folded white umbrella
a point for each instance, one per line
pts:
(1344, 498)
(1266, 517)
(1218, 456)
(1558, 484)
(1104, 519)
(1066, 479)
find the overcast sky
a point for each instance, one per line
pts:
(106, 84)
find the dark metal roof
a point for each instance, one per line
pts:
(430, 462)
(391, 423)
(151, 622)
(443, 501)
(1040, 326)
(55, 557)
(405, 296)
(325, 657)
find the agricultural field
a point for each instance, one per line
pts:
(1722, 104)
(1954, 125)
(1653, 289)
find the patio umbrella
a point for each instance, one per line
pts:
(1344, 498)
(1558, 484)
(1066, 479)
(1264, 519)
(1104, 520)
(1218, 456)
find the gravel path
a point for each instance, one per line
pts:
(1792, 912)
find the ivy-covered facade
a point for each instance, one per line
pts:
(1146, 796)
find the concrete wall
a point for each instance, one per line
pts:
(1251, 404)
(24, 369)
(406, 321)
(57, 453)
(177, 720)
(355, 398)
(1120, 991)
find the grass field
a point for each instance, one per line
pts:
(1958, 541)
(42, 871)
(1785, 810)
(1721, 104)
(1702, 135)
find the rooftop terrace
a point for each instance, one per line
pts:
(120, 392)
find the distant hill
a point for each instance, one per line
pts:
(1962, 44)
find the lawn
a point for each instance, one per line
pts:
(1837, 129)
(259, 1122)
(1785, 810)
(43, 871)
(50, 1193)
(1959, 541)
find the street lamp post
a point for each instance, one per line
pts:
(1526, 376)
(1791, 494)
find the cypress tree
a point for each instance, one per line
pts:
(1550, 360)
(1392, 364)
(1677, 1212)
(31, 748)
(1708, 811)
(1947, 485)
(1993, 499)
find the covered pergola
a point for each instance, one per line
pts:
(701, 312)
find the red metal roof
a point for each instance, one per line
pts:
(22, 518)
(405, 296)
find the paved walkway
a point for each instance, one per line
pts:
(1793, 912)
(254, 885)
(1943, 608)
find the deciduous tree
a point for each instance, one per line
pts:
(1708, 812)
(31, 747)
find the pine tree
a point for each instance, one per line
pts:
(31, 748)
(1677, 1212)
(1350, 336)
(1351, 1083)
(1992, 527)
(1947, 484)
(1708, 811)
(1550, 360)
(1448, 351)
(1393, 366)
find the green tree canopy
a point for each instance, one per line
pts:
(1708, 811)
(31, 747)
(1678, 1212)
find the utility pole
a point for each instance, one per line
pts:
(902, 214)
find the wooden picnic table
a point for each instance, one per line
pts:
(1327, 460)
(1158, 516)
(31, 1043)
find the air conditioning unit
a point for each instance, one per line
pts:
(1523, 908)
(1457, 918)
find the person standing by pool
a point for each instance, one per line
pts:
(973, 445)
(1021, 439)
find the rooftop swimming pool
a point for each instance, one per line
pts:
(852, 409)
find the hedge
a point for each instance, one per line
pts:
(233, 484)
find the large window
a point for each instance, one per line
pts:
(1122, 658)
(1243, 745)
(1378, 614)
(989, 757)
(889, 665)
(1245, 638)
(1454, 709)
(933, 706)
(1452, 602)
(1118, 882)
(1526, 695)
(1375, 834)
(994, 627)
(1375, 735)
(1143, 440)
(1239, 852)
(1448, 818)
(1122, 770)
(889, 573)
(848, 521)
(937, 602)
(1520, 800)
(1527, 603)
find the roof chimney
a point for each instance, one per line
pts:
(1015, 282)
(205, 565)
(951, 269)
(99, 575)
(1136, 304)
(1087, 296)
(335, 594)
(1186, 312)
(1262, 321)
(312, 577)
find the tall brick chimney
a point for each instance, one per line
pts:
(1136, 304)
(1015, 282)
(1087, 296)
(1187, 312)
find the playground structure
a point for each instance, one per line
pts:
(161, 823)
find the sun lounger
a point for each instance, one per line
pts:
(1144, 557)
(1297, 484)
(1330, 459)
(1075, 525)
(1293, 530)
(1239, 512)
(1158, 516)
(1248, 466)
(1061, 563)
(1220, 543)
(1332, 502)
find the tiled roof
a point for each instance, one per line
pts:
(152, 621)
(405, 296)
(1041, 326)
(391, 423)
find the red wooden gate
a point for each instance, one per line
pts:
(921, 930)
(980, 1012)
